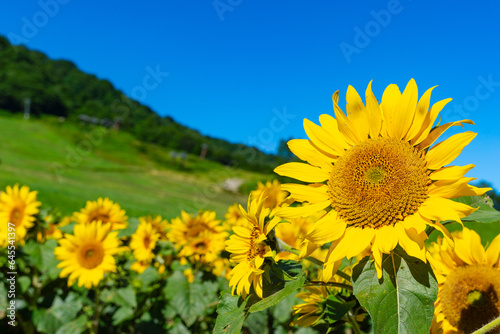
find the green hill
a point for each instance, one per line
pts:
(69, 165)
(58, 87)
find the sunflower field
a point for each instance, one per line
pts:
(358, 242)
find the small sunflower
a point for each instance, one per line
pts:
(103, 210)
(143, 241)
(249, 249)
(234, 217)
(271, 191)
(18, 206)
(469, 283)
(375, 173)
(159, 224)
(204, 248)
(88, 254)
(183, 229)
(140, 266)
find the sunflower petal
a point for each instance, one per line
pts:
(303, 172)
(446, 151)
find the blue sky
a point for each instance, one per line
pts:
(251, 71)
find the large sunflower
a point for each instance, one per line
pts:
(143, 242)
(248, 248)
(377, 175)
(88, 254)
(103, 210)
(18, 207)
(469, 283)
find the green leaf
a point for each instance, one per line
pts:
(77, 326)
(121, 297)
(403, 300)
(282, 311)
(3, 300)
(290, 267)
(485, 213)
(231, 314)
(257, 323)
(286, 289)
(148, 276)
(122, 314)
(60, 313)
(189, 299)
(24, 283)
(133, 223)
(336, 309)
(42, 256)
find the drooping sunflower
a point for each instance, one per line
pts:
(469, 283)
(159, 224)
(143, 242)
(271, 191)
(103, 210)
(18, 206)
(377, 175)
(87, 254)
(248, 248)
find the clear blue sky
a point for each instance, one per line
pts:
(234, 64)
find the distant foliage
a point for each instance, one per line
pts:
(58, 87)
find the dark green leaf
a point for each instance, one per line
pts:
(189, 299)
(76, 326)
(148, 276)
(60, 313)
(286, 289)
(257, 323)
(290, 267)
(485, 213)
(122, 314)
(336, 309)
(231, 310)
(121, 297)
(24, 283)
(403, 300)
(42, 256)
(3, 300)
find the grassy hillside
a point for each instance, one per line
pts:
(69, 165)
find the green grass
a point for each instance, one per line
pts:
(68, 164)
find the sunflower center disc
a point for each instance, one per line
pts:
(91, 255)
(16, 217)
(378, 182)
(470, 297)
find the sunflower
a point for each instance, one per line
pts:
(204, 248)
(103, 210)
(377, 175)
(469, 283)
(184, 229)
(18, 207)
(140, 266)
(159, 224)
(234, 217)
(249, 249)
(88, 254)
(143, 242)
(271, 191)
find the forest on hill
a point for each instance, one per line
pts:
(58, 87)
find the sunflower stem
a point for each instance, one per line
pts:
(488, 327)
(334, 284)
(353, 323)
(95, 323)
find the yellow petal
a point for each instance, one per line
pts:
(405, 112)
(355, 241)
(305, 151)
(412, 241)
(331, 126)
(386, 238)
(430, 117)
(312, 193)
(446, 151)
(454, 189)
(442, 209)
(326, 229)
(356, 113)
(321, 139)
(451, 172)
(390, 101)
(493, 252)
(420, 113)
(301, 211)
(344, 124)
(434, 134)
(374, 113)
(303, 172)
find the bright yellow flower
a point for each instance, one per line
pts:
(469, 283)
(205, 247)
(103, 210)
(271, 191)
(140, 266)
(189, 275)
(160, 225)
(51, 232)
(234, 217)
(377, 175)
(249, 249)
(183, 229)
(17, 207)
(88, 254)
(143, 242)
